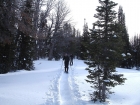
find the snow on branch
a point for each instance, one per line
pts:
(106, 80)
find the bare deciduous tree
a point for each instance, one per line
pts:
(43, 15)
(61, 11)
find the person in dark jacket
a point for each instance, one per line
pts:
(71, 59)
(66, 62)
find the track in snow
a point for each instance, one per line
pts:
(63, 90)
(68, 90)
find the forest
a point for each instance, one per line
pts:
(29, 32)
(42, 29)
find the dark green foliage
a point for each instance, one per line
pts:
(135, 46)
(41, 48)
(8, 56)
(26, 34)
(16, 42)
(4, 55)
(7, 34)
(27, 41)
(126, 61)
(104, 51)
(84, 41)
(26, 52)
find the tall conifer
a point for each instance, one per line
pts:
(84, 40)
(26, 37)
(104, 52)
(126, 61)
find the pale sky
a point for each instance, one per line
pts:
(81, 9)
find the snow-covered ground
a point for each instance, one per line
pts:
(48, 84)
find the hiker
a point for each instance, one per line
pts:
(66, 62)
(71, 59)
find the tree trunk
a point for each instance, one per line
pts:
(51, 52)
(103, 92)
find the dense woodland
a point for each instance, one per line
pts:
(28, 32)
(34, 29)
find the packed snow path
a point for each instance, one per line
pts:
(63, 90)
(68, 90)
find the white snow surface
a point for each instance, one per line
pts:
(48, 84)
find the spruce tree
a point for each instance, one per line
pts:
(126, 61)
(84, 40)
(104, 51)
(135, 46)
(26, 37)
(7, 34)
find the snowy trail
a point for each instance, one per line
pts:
(68, 90)
(64, 90)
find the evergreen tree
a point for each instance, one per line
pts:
(67, 33)
(77, 44)
(73, 42)
(84, 40)
(26, 37)
(104, 52)
(26, 53)
(7, 34)
(126, 61)
(135, 46)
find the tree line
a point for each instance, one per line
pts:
(23, 23)
(33, 29)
